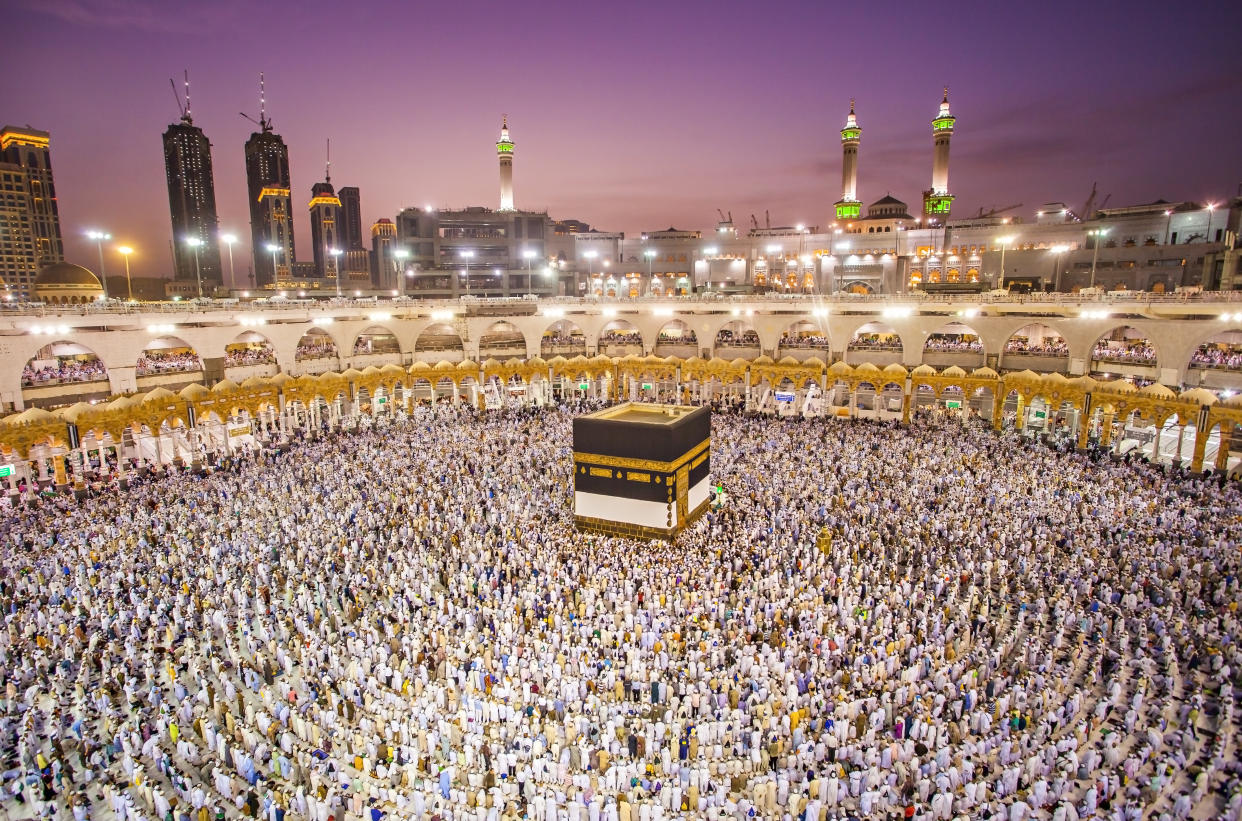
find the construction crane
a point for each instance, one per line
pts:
(754, 223)
(1085, 213)
(184, 109)
(264, 124)
(996, 212)
(722, 216)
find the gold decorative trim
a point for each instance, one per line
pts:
(634, 476)
(603, 473)
(643, 464)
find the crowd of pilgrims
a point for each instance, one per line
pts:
(930, 621)
(153, 362)
(66, 369)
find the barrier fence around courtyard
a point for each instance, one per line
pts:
(160, 426)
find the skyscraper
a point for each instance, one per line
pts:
(29, 150)
(351, 218)
(192, 203)
(325, 216)
(384, 272)
(268, 185)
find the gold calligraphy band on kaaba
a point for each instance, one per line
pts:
(642, 464)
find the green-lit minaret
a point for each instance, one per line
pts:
(937, 200)
(848, 207)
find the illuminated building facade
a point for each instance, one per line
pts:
(325, 216)
(271, 225)
(27, 152)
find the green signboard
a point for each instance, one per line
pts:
(6, 471)
(647, 386)
(1039, 414)
(953, 403)
(583, 385)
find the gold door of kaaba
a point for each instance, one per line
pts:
(683, 490)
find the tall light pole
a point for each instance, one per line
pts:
(650, 254)
(335, 253)
(194, 242)
(1168, 222)
(1207, 232)
(273, 248)
(399, 256)
(590, 257)
(528, 254)
(99, 237)
(125, 251)
(1098, 233)
(228, 240)
(466, 256)
(1004, 243)
(1057, 251)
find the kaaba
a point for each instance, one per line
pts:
(642, 470)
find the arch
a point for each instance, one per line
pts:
(857, 287)
(1036, 339)
(1124, 345)
(1222, 351)
(954, 337)
(675, 332)
(168, 354)
(805, 335)
(62, 362)
(438, 337)
(316, 343)
(875, 336)
(619, 338)
(502, 340)
(249, 348)
(562, 338)
(736, 335)
(376, 339)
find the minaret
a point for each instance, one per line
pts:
(937, 200)
(848, 207)
(504, 151)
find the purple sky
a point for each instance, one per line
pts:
(630, 116)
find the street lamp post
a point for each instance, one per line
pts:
(1168, 222)
(650, 255)
(1004, 243)
(273, 248)
(1098, 233)
(466, 257)
(399, 255)
(228, 240)
(99, 237)
(335, 253)
(528, 254)
(590, 256)
(1207, 232)
(125, 251)
(1057, 251)
(194, 242)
